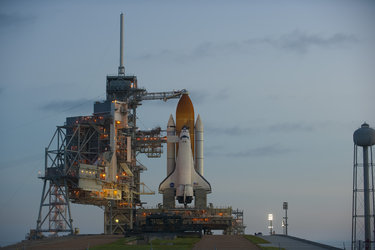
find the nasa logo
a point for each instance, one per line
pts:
(171, 185)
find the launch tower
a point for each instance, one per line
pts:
(93, 159)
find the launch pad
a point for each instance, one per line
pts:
(93, 160)
(182, 220)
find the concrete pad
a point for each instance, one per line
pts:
(294, 243)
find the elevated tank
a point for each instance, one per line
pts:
(364, 136)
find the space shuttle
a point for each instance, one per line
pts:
(185, 181)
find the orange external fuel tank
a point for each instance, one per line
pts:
(185, 117)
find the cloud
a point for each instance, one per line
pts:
(202, 50)
(165, 53)
(233, 131)
(295, 41)
(65, 106)
(198, 96)
(7, 20)
(290, 127)
(213, 150)
(276, 128)
(269, 150)
(301, 42)
(222, 94)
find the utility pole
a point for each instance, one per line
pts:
(270, 219)
(285, 219)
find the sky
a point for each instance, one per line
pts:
(280, 86)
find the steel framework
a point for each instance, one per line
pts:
(358, 215)
(55, 197)
(238, 227)
(78, 152)
(93, 159)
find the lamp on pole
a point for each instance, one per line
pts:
(270, 219)
(285, 219)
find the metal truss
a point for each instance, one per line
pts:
(55, 198)
(358, 216)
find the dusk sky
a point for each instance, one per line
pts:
(280, 86)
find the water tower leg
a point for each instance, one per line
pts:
(366, 188)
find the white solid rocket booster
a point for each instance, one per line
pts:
(199, 145)
(171, 147)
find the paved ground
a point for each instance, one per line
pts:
(224, 242)
(77, 242)
(293, 243)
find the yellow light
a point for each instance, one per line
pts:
(118, 122)
(270, 216)
(117, 220)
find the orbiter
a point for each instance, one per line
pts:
(185, 181)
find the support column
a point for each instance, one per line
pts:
(200, 198)
(366, 187)
(169, 198)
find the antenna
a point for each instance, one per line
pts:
(121, 68)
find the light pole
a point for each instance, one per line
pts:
(270, 219)
(285, 219)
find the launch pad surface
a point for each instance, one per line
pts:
(185, 220)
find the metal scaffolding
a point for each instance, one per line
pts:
(238, 227)
(55, 200)
(358, 206)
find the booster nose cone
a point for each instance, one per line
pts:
(198, 124)
(171, 123)
(185, 117)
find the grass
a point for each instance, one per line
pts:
(257, 241)
(158, 244)
(271, 248)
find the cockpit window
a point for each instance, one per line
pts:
(185, 136)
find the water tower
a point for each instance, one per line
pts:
(363, 209)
